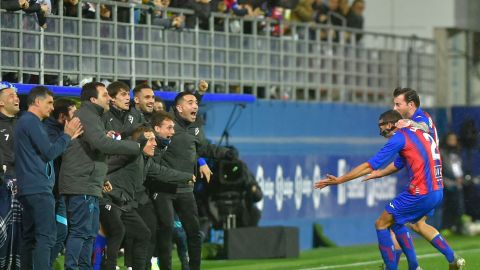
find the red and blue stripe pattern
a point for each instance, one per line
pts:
(424, 164)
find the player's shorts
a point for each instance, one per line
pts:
(408, 208)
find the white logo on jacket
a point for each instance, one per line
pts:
(130, 119)
(197, 130)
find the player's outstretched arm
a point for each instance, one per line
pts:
(381, 173)
(358, 171)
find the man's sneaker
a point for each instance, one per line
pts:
(457, 264)
(418, 268)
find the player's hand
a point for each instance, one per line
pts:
(107, 187)
(205, 172)
(330, 180)
(403, 123)
(373, 175)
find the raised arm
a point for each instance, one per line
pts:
(391, 168)
(356, 172)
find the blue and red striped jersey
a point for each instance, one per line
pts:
(423, 117)
(418, 152)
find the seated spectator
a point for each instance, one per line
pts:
(123, 13)
(161, 17)
(276, 13)
(303, 12)
(343, 7)
(241, 8)
(70, 8)
(329, 14)
(41, 8)
(13, 5)
(201, 9)
(355, 17)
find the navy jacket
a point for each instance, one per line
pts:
(34, 155)
(54, 130)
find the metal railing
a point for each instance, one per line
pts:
(271, 59)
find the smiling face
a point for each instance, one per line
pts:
(158, 106)
(122, 100)
(145, 100)
(406, 109)
(188, 108)
(9, 102)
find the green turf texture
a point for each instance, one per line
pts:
(365, 257)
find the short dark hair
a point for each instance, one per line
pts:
(89, 90)
(390, 116)
(38, 92)
(139, 132)
(408, 94)
(62, 105)
(158, 117)
(180, 97)
(158, 99)
(116, 87)
(138, 88)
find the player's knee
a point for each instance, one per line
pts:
(415, 227)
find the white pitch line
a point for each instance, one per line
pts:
(428, 255)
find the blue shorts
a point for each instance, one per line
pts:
(408, 208)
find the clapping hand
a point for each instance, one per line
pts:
(107, 187)
(73, 128)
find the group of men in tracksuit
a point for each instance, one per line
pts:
(147, 178)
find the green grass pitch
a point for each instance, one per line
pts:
(365, 257)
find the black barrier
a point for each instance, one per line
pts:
(262, 242)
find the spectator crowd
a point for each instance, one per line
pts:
(338, 13)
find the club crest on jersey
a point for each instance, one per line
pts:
(130, 119)
(197, 130)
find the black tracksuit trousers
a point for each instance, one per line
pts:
(119, 224)
(184, 204)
